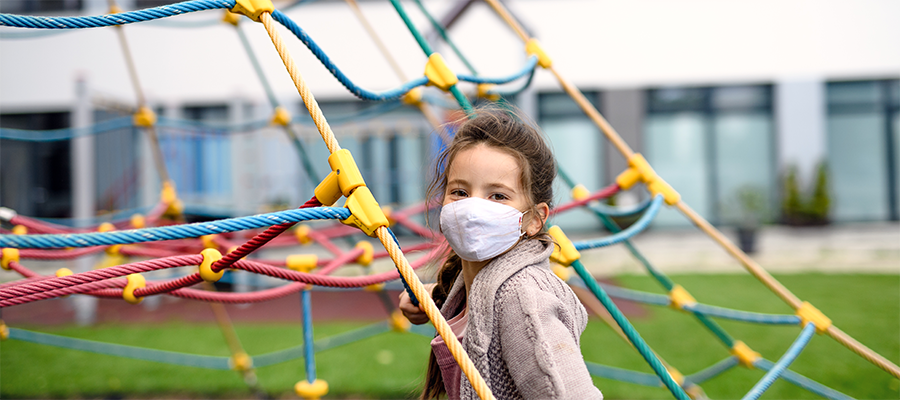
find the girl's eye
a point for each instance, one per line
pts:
(458, 193)
(499, 197)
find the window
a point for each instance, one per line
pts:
(863, 145)
(117, 164)
(711, 144)
(578, 146)
(198, 157)
(37, 177)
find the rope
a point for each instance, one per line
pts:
(632, 230)
(744, 316)
(434, 314)
(623, 375)
(530, 65)
(27, 21)
(308, 99)
(392, 94)
(782, 363)
(713, 371)
(629, 330)
(172, 231)
(803, 382)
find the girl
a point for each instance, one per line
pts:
(517, 321)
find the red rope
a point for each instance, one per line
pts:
(600, 194)
(37, 254)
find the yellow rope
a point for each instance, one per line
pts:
(308, 99)
(431, 309)
(387, 240)
(701, 223)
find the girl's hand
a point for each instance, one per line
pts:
(414, 314)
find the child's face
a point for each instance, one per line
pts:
(485, 172)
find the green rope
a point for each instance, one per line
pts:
(664, 280)
(460, 97)
(629, 331)
(440, 30)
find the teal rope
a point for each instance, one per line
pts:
(804, 382)
(460, 97)
(713, 371)
(440, 29)
(623, 375)
(630, 332)
(288, 130)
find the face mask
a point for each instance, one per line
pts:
(479, 229)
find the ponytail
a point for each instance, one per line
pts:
(434, 381)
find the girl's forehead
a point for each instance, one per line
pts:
(485, 162)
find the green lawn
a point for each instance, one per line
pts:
(391, 365)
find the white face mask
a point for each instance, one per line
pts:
(479, 229)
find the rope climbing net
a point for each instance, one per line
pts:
(169, 246)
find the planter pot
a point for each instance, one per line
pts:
(747, 239)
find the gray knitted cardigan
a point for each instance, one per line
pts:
(524, 328)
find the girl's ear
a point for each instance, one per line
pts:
(542, 211)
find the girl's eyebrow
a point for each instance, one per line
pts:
(457, 181)
(501, 186)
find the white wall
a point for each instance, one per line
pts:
(601, 44)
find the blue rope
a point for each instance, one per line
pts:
(745, 316)
(392, 94)
(632, 230)
(712, 371)
(516, 91)
(804, 382)
(530, 64)
(27, 21)
(173, 231)
(782, 364)
(308, 351)
(119, 350)
(623, 375)
(619, 211)
(65, 133)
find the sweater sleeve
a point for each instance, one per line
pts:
(539, 341)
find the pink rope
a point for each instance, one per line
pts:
(600, 194)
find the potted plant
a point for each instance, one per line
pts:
(751, 203)
(798, 211)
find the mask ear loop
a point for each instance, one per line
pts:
(521, 221)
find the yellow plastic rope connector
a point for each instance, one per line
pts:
(144, 117)
(4, 330)
(438, 73)
(365, 213)
(311, 391)
(676, 375)
(579, 192)
(368, 253)
(564, 253)
(240, 362)
(533, 48)
(138, 221)
(281, 116)
(561, 272)
(114, 251)
(9, 255)
(168, 195)
(209, 241)
(20, 230)
(135, 281)
(484, 91)
(63, 272)
(302, 234)
(398, 322)
(253, 8)
(302, 262)
(387, 210)
(639, 170)
(412, 97)
(343, 179)
(679, 298)
(231, 18)
(375, 287)
(106, 227)
(115, 9)
(808, 313)
(744, 354)
(209, 257)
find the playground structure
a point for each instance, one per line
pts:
(362, 212)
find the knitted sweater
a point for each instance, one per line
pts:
(524, 328)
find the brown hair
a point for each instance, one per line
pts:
(507, 131)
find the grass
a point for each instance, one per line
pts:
(391, 365)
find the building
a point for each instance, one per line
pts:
(721, 97)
